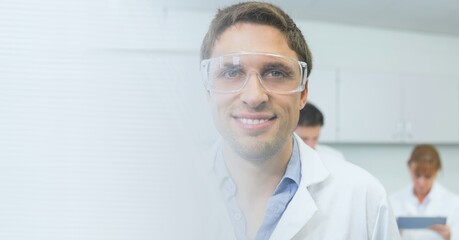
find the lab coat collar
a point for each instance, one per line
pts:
(435, 192)
(312, 168)
(302, 207)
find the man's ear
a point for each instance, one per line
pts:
(304, 96)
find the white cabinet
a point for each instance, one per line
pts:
(369, 107)
(393, 108)
(431, 109)
(322, 92)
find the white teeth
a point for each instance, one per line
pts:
(252, 121)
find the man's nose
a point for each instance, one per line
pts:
(253, 93)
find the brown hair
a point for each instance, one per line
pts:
(260, 13)
(310, 116)
(426, 157)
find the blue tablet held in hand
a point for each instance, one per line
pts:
(419, 222)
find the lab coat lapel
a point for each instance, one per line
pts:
(302, 206)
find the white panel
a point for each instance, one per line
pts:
(323, 94)
(94, 143)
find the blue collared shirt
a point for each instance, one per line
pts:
(277, 203)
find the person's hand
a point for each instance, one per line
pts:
(443, 230)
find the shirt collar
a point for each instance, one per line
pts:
(293, 171)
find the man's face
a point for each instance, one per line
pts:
(422, 180)
(310, 135)
(254, 123)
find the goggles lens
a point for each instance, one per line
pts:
(276, 73)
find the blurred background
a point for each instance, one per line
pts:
(103, 113)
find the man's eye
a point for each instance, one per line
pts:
(231, 73)
(276, 74)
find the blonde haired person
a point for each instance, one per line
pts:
(426, 197)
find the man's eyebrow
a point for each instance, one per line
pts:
(276, 65)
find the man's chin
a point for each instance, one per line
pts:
(254, 151)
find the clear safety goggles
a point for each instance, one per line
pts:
(276, 73)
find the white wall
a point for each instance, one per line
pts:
(363, 48)
(346, 46)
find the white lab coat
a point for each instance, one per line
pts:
(439, 202)
(335, 200)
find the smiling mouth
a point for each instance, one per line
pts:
(253, 121)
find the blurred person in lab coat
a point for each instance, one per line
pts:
(426, 197)
(309, 126)
(255, 65)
